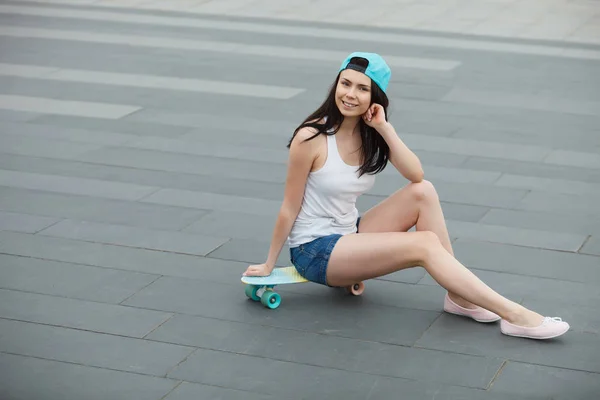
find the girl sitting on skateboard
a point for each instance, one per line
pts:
(334, 157)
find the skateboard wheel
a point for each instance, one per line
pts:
(357, 289)
(270, 299)
(251, 292)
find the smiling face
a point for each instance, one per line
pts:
(353, 93)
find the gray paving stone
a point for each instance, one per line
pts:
(421, 91)
(533, 169)
(580, 140)
(248, 152)
(147, 177)
(470, 194)
(78, 186)
(460, 111)
(476, 148)
(78, 314)
(155, 160)
(258, 374)
(517, 286)
(89, 348)
(17, 116)
(544, 221)
(165, 82)
(574, 158)
(117, 126)
(582, 318)
(198, 120)
(454, 211)
(391, 180)
(313, 349)
(386, 388)
(227, 136)
(409, 275)
(592, 246)
(24, 222)
(62, 133)
(143, 215)
(110, 256)
(213, 201)
(549, 185)
(343, 316)
(189, 64)
(521, 237)
(519, 379)
(37, 147)
(422, 127)
(522, 101)
(250, 251)
(115, 101)
(70, 280)
(575, 350)
(235, 225)
(74, 99)
(463, 212)
(121, 235)
(28, 378)
(527, 261)
(34, 102)
(560, 203)
(193, 391)
(367, 201)
(119, 257)
(461, 175)
(438, 158)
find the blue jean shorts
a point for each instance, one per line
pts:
(311, 259)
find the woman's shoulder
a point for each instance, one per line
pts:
(307, 132)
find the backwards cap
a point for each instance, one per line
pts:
(376, 69)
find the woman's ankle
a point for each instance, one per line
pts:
(521, 316)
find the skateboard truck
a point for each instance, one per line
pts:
(264, 294)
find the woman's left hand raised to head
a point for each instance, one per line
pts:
(375, 116)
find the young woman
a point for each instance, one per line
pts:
(334, 156)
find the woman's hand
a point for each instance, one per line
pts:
(375, 116)
(258, 270)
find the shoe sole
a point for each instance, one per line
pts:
(484, 321)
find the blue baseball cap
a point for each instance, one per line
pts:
(376, 69)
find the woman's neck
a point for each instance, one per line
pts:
(349, 126)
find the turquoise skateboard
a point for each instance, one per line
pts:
(260, 288)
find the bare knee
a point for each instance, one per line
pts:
(424, 191)
(427, 245)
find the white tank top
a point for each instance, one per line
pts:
(329, 204)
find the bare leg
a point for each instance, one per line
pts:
(417, 204)
(365, 256)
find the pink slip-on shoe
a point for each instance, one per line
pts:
(551, 327)
(478, 314)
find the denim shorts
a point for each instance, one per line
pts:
(311, 259)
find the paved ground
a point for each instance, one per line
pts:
(142, 160)
(566, 20)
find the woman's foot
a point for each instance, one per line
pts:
(549, 328)
(478, 314)
(531, 325)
